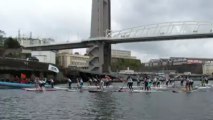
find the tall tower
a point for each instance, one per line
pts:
(101, 18)
(100, 53)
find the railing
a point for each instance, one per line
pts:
(163, 29)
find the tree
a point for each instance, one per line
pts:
(2, 33)
(11, 43)
(122, 64)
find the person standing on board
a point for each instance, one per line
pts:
(81, 83)
(101, 84)
(130, 83)
(202, 81)
(154, 82)
(41, 84)
(138, 81)
(181, 81)
(191, 82)
(149, 84)
(206, 80)
(146, 83)
(69, 83)
(187, 84)
(52, 83)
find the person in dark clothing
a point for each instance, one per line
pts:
(69, 83)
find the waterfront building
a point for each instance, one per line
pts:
(66, 58)
(208, 68)
(45, 56)
(177, 61)
(72, 60)
(180, 65)
(127, 71)
(122, 54)
(25, 40)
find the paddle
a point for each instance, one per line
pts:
(121, 87)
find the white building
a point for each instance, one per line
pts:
(208, 68)
(127, 71)
(45, 56)
(25, 40)
(122, 54)
(67, 60)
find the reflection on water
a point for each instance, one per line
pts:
(102, 106)
(62, 105)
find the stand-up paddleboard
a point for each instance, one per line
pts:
(60, 88)
(72, 90)
(39, 90)
(159, 88)
(138, 91)
(189, 91)
(94, 87)
(202, 87)
(134, 87)
(95, 91)
(143, 91)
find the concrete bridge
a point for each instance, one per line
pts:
(102, 37)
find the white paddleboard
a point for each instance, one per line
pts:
(35, 89)
(71, 90)
(143, 91)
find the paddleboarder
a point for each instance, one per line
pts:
(130, 82)
(69, 83)
(81, 83)
(52, 83)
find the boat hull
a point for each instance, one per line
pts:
(11, 85)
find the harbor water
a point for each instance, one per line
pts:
(62, 105)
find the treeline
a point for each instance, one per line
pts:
(9, 43)
(122, 64)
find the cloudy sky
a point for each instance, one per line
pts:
(69, 20)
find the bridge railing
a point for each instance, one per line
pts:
(164, 29)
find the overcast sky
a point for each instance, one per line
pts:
(69, 20)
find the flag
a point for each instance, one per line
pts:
(53, 68)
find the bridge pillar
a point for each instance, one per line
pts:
(100, 57)
(100, 53)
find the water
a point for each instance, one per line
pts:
(62, 105)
